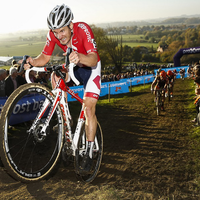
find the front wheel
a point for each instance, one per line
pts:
(29, 147)
(158, 103)
(97, 154)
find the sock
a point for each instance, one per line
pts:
(89, 147)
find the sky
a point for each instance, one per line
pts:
(21, 15)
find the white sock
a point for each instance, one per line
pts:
(89, 144)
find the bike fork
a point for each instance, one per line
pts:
(42, 111)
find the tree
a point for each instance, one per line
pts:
(136, 54)
(115, 51)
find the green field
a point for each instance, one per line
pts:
(33, 47)
(20, 48)
(134, 41)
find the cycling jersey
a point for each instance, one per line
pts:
(161, 82)
(171, 78)
(82, 41)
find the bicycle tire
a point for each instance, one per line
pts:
(97, 155)
(30, 156)
(168, 92)
(158, 103)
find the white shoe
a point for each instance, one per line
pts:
(55, 128)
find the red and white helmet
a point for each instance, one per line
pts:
(169, 73)
(163, 74)
(59, 17)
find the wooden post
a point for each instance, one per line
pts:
(109, 93)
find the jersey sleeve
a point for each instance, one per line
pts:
(87, 37)
(50, 44)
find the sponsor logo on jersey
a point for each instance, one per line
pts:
(87, 32)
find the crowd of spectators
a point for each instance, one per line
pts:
(113, 77)
(12, 79)
(195, 74)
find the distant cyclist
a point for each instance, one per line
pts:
(171, 78)
(182, 73)
(160, 83)
(79, 36)
(175, 73)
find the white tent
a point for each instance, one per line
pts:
(5, 59)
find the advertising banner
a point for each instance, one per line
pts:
(27, 107)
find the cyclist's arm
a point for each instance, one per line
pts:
(166, 83)
(89, 60)
(39, 61)
(154, 82)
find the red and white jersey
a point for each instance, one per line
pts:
(82, 40)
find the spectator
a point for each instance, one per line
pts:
(3, 74)
(14, 62)
(20, 75)
(197, 92)
(32, 76)
(11, 81)
(40, 78)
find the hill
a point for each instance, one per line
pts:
(145, 156)
(185, 19)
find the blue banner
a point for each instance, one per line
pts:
(27, 107)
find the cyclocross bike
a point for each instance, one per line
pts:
(31, 149)
(168, 93)
(158, 101)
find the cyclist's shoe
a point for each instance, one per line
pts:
(195, 125)
(155, 100)
(55, 128)
(166, 95)
(86, 165)
(194, 120)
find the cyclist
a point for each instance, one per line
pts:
(171, 78)
(80, 38)
(160, 82)
(175, 73)
(182, 73)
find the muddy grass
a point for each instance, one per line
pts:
(145, 156)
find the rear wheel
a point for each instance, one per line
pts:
(158, 103)
(168, 92)
(97, 154)
(30, 154)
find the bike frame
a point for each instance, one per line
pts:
(59, 99)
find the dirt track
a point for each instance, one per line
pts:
(145, 156)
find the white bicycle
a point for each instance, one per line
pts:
(30, 147)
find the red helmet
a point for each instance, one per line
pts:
(163, 74)
(169, 73)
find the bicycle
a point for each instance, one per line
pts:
(168, 93)
(31, 149)
(158, 101)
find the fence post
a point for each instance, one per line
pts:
(109, 92)
(131, 84)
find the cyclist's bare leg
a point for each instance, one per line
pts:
(91, 120)
(163, 95)
(90, 128)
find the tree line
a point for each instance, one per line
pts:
(113, 52)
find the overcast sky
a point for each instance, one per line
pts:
(23, 15)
